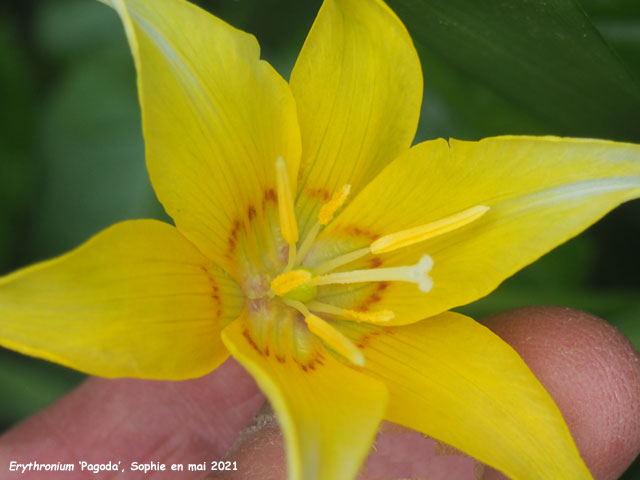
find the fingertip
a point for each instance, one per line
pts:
(592, 372)
(258, 452)
(138, 420)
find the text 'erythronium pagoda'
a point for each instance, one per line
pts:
(319, 248)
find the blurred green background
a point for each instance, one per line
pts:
(72, 158)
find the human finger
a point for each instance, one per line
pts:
(588, 367)
(131, 420)
(592, 372)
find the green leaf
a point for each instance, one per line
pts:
(544, 55)
(17, 98)
(76, 28)
(455, 106)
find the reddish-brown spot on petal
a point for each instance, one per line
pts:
(232, 240)
(250, 341)
(364, 340)
(375, 297)
(376, 262)
(251, 212)
(215, 291)
(318, 193)
(270, 196)
(354, 231)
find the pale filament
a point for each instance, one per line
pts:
(334, 263)
(307, 243)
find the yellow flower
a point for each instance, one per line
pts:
(320, 249)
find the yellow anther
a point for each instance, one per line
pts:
(418, 274)
(286, 282)
(335, 339)
(376, 317)
(393, 241)
(329, 209)
(288, 224)
(379, 316)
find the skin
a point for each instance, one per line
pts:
(590, 369)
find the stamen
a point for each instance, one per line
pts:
(377, 317)
(325, 216)
(329, 209)
(307, 243)
(292, 257)
(405, 238)
(288, 224)
(333, 337)
(393, 241)
(286, 282)
(418, 274)
(334, 263)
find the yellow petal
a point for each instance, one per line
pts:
(453, 379)
(328, 412)
(136, 300)
(358, 88)
(215, 120)
(540, 192)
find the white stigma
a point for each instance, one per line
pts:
(418, 274)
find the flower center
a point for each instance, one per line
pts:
(297, 286)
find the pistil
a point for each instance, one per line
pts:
(418, 274)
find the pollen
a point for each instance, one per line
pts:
(376, 317)
(411, 236)
(379, 316)
(288, 224)
(329, 209)
(335, 339)
(328, 333)
(289, 281)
